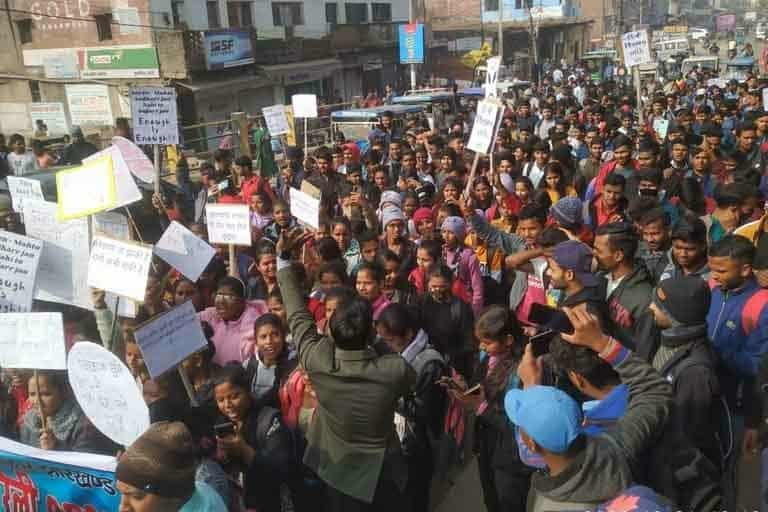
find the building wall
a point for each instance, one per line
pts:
(514, 11)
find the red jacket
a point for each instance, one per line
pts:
(607, 169)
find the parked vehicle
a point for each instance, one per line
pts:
(710, 62)
(697, 33)
(670, 47)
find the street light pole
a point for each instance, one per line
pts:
(501, 31)
(411, 20)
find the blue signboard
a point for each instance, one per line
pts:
(412, 43)
(228, 48)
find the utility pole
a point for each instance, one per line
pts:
(412, 20)
(534, 29)
(501, 30)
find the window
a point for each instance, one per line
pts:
(491, 5)
(239, 14)
(356, 13)
(104, 26)
(381, 12)
(332, 13)
(177, 11)
(287, 14)
(25, 30)
(34, 90)
(213, 15)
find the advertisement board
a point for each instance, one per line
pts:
(228, 48)
(412, 43)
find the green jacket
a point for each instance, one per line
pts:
(357, 392)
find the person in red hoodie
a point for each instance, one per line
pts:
(622, 163)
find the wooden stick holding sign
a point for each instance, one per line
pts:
(156, 150)
(43, 419)
(188, 386)
(471, 179)
(232, 261)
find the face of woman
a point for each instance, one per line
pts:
(282, 216)
(330, 308)
(440, 289)
(228, 304)
(482, 192)
(329, 280)
(450, 192)
(391, 269)
(427, 228)
(553, 179)
(409, 206)
(232, 401)
(48, 396)
(268, 267)
(133, 358)
(340, 233)
(367, 286)
(424, 260)
(269, 342)
(185, 291)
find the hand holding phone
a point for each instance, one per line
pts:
(224, 429)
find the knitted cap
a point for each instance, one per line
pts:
(685, 299)
(391, 197)
(455, 225)
(161, 461)
(421, 215)
(568, 210)
(391, 213)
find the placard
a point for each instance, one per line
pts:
(305, 208)
(126, 191)
(661, 126)
(228, 224)
(138, 163)
(304, 105)
(276, 120)
(169, 338)
(52, 115)
(32, 341)
(23, 189)
(484, 129)
(19, 259)
(87, 189)
(155, 120)
(107, 392)
(492, 66)
(119, 267)
(636, 48)
(112, 225)
(765, 99)
(182, 250)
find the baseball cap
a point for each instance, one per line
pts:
(548, 415)
(577, 257)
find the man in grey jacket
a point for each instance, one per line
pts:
(586, 471)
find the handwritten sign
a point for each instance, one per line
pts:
(305, 208)
(304, 105)
(32, 340)
(484, 130)
(138, 163)
(636, 48)
(276, 119)
(228, 224)
(661, 126)
(492, 66)
(23, 189)
(182, 250)
(119, 267)
(112, 225)
(168, 339)
(107, 393)
(19, 258)
(126, 191)
(155, 120)
(87, 189)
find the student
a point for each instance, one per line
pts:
(261, 213)
(727, 215)
(251, 184)
(271, 361)
(341, 231)
(656, 245)
(200, 369)
(554, 182)
(282, 220)
(369, 285)
(428, 256)
(689, 249)
(462, 260)
(396, 289)
(535, 170)
(609, 205)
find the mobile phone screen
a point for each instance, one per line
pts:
(550, 318)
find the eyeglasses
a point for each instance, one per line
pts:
(226, 296)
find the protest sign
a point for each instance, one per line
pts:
(119, 267)
(19, 259)
(636, 48)
(87, 189)
(276, 119)
(138, 163)
(169, 338)
(182, 250)
(486, 124)
(32, 340)
(107, 392)
(33, 479)
(112, 225)
(304, 105)
(126, 191)
(228, 224)
(661, 126)
(305, 208)
(155, 120)
(492, 66)
(23, 189)
(765, 98)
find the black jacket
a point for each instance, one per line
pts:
(628, 306)
(285, 366)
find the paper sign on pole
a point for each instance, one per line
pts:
(304, 105)
(182, 250)
(87, 189)
(119, 267)
(276, 120)
(19, 259)
(636, 48)
(24, 189)
(228, 224)
(169, 338)
(138, 163)
(492, 66)
(107, 392)
(305, 208)
(32, 341)
(155, 120)
(125, 188)
(661, 126)
(484, 129)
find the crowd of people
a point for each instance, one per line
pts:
(584, 312)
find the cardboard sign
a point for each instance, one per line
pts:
(23, 189)
(169, 338)
(138, 163)
(276, 120)
(119, 267)
(492, 66)
(155, 120)
(484, 129)
(636, 48)
(126, 190)
(107, 392)
(228, 224)
(32, 341)
(19, 259)
(304, 105)
(305, 208)
(182, 250)
(87, 189)
(661, 126)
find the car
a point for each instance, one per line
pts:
(697, 33)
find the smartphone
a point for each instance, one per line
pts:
(540, 342)
(473, 390)
(224, 429)
(550, 318)
(449, 382)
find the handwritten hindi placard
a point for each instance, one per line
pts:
(155, 120)
(32, 341)
(276, 119)
(23, 189)
(228, 224)
(19, 259)
(119, 267)
(305, 208)
(486, 124)
(185, 252)
(87, 189)
(169, 338)
(107, 392)
(636, 48)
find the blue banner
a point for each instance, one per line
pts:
(228, 48)
(33, 480)
(412, 43)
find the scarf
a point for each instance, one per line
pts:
(63, 423)
(415, 347)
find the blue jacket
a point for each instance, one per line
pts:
(740, 353)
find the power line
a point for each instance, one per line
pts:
(92, 20)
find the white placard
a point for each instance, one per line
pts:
(155, 120)
(19, 259)
(85, 190)
(138, 163)
(661, 126)
(636, 48)
(112, 225)
(305, 208)
(119, 267)
(126, 190)
(24, 189)
(304, 105)
(228, 224)
(276, 120)
(492, 66)
(107, 393)
(485, 127)
(89, 104)
(52, 114)
(182, 250)
(169, 338)
(765, 98)
(32, 340)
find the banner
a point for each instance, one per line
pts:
(411, 43)
(48, 481)
(276, 119)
